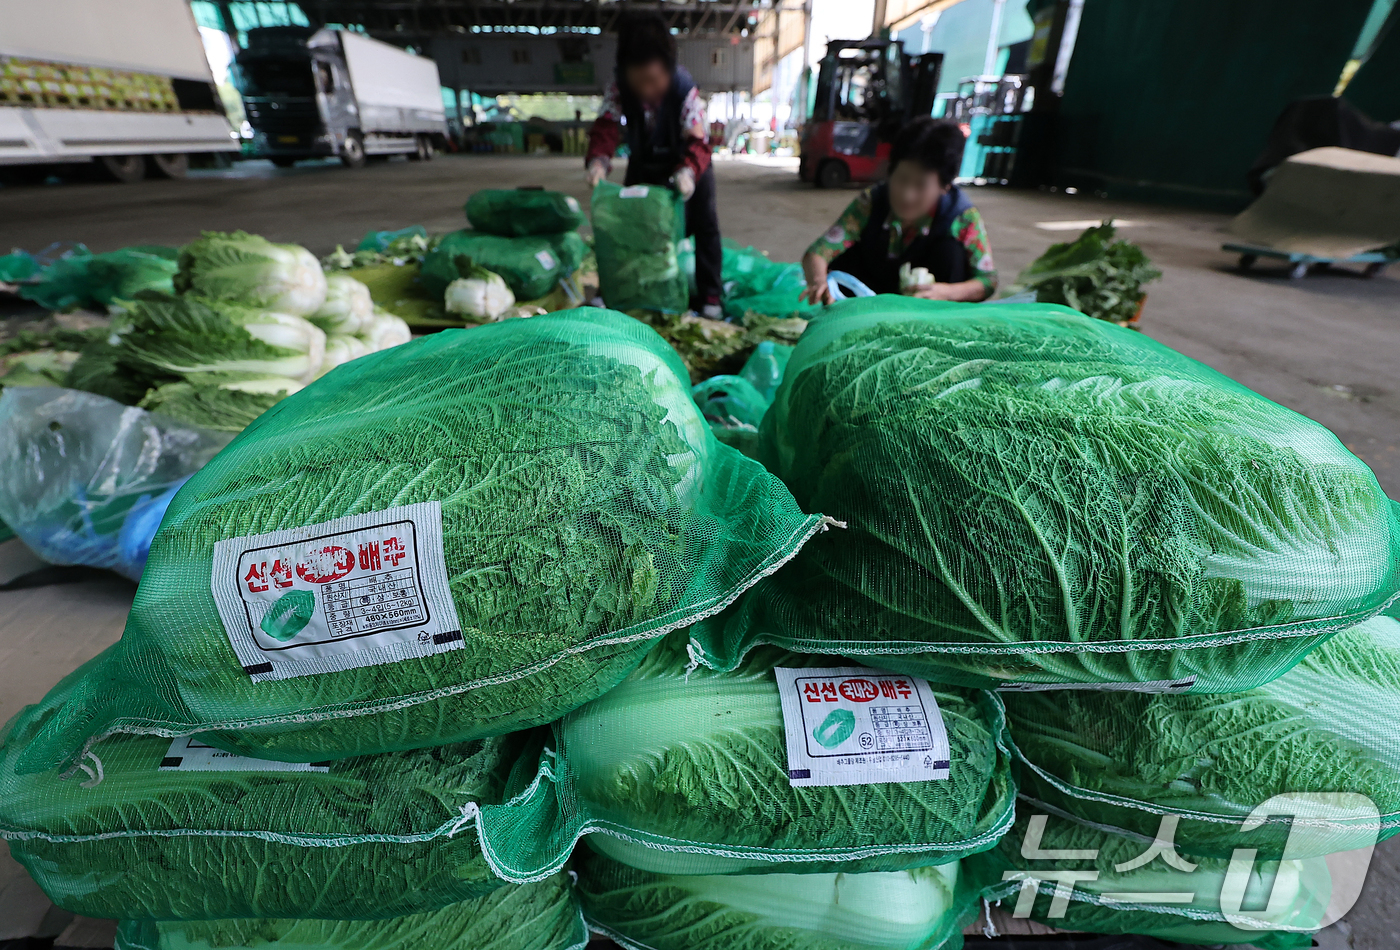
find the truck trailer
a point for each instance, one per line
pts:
(313, 93)
(123, 84)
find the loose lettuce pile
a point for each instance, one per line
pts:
(1093, 274)
(1033, 495)
(892, 910)
(685, 771)
(539, 916)
(1326, 726)
(586, 511)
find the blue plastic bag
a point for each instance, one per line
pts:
(86, 480)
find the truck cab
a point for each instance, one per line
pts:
(317, 93)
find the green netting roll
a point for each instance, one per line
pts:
(1325, 728)
(454, 538)
(530, 265)
(687, 771)
(636, 231)
(146, 827)
(523, 211)
(1271, 905)
(922, 909)
(539, 916)
(1035, 497)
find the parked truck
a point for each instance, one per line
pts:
(123, 85)
(310, 93)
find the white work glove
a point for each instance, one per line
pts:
(685, 182)
(597, 170)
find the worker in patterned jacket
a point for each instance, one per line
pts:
(656, 105)
(915, 233)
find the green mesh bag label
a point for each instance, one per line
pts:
(634, 191)
(546, 260)
(850, 725)
(190, 755)
(356, 591)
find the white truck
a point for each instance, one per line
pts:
(310, 93)
(123, 84)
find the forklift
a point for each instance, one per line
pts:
(866, 90)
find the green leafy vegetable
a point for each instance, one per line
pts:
(161, 336)
(1033, 495)
(253, 271)
(96, 280)
(685, 771)
(539, 916)
(893, 910)
(1327, 725)
(585, 512)
(1093, 274)
(226, 407)
(1283, 903)
(530, 266)
(348, 307)
(137, 834)
(40, 368)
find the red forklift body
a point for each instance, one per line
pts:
(866, 90)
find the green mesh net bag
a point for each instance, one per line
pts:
(454, 538)
(755, 284)
(922, 909)
(1035, 497)
(1314, 752)
(146, 827)
(636, 231)
(523, 211)
(1270, 905)
(530, 265)
(688, 771)
(539, 916)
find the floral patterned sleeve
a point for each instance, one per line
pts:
(845, 232)
(972, 234)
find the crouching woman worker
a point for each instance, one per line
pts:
(656, 105)
(916, 217)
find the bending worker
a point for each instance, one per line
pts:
(917, 217)
(656, 104)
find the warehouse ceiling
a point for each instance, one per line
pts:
(431, 16)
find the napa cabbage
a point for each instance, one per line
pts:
(1283, 902)
(568, 548)
(162, 336)
(252, 270)
(1326, 726)
(893, 910)
(348, 307)
(384, 330)
(224, 405)
(685, 771)
(1034, 495)
(136, 833)
(543, 915)
(478, 293)
(342, 349)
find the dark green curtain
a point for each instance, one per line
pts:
(1172, 100)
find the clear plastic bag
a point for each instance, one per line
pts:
(86, 480)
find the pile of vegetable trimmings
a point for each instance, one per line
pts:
(249, 323)
(1094, 274)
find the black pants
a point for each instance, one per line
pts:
(701, 223)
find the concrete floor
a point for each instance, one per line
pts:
(1325, 346)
